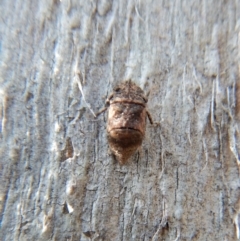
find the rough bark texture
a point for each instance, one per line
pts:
(58, 62)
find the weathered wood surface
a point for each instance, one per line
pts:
(58, 62)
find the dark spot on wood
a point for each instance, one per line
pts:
(68, 151)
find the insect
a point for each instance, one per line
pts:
(126, 123)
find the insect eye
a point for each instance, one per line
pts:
(119, 109)
(136, 110)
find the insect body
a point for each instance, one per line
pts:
(126, 122)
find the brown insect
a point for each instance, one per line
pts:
(126, 122)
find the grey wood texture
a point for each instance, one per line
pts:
(59, 60)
